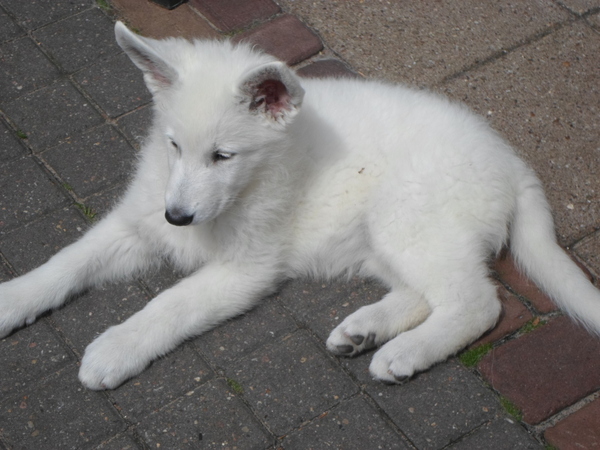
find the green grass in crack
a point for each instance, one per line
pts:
(87, 211)
(511, 408)
(104, 5)
(235, 386)
(533, 324)
(470, 358)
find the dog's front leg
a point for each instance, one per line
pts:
(196, 304)
(110, 250)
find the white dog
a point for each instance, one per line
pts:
(261, 182)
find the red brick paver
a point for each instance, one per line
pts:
(286, 38)
(326, 68)
(578, 431)
(230, 15)
(509, 273)
(157, 22)
(507, 270)
(514, 316)
(546, 370)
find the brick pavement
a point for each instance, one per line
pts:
(73, 111)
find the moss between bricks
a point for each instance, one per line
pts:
(532, 325)
(470, 358)
(235, 386)
(511, 408)
(103, 4)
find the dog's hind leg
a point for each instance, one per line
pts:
(400, 310)
(110, 250)
(215, 293)
(464, 305)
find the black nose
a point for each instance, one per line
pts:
(178, 218)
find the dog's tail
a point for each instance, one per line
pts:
(534, 246)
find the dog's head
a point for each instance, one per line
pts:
(223, 112)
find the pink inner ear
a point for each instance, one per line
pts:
(274, 95)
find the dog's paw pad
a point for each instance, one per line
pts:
(345, 349)
(342, 343)
(401, 378)
(357, 339)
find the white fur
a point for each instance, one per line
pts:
(350, 177)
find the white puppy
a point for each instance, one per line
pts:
(251, 176)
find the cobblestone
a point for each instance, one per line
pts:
(73, 112)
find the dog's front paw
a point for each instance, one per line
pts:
(14, 312)
(343, 343)
(360, 331)
(389, 369)
(351, 337)
(400, 359)
(110, 360)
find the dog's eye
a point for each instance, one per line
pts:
(220, 155)
(173, 144)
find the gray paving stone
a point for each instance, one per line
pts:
(542, 96)
(358, 366)
(120, 442)
(135, 125)
(51, 114)
(4, 273)
(580, 6)
(503, 434)
(291, 381)
(28, 356)
(423, 42)
(79, 40)
(28, 247)
(8, 28)
(35, 13)
(92, 313)
(162, 279)
(594, 21)
(354, 424)
(24, 69)
(164, 381)
(209, 417)
(321, 306)
(242, 335)
(25, 192)
(588, 250)
(438, 406)
(101, 203)
(92, 161)
(10, 147)
(115, 84)
(58, 415)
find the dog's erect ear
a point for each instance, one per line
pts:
(158, 74)
(272, 90)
